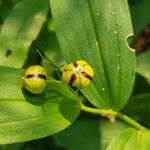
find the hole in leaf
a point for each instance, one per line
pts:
(142, 42)
(129, 41)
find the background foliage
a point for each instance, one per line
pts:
(82, 28)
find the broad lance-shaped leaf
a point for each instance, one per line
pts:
(131, 139)
(20, 29)
(97, 31)
(24, 116)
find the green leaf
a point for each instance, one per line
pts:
(143, 65)
(131, 139)
(108, 130)
(20, 29)
(138, 107)
(97, 31)
(25, 116)
(98, 137)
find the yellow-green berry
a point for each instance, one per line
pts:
(78, 74)
(34, 79)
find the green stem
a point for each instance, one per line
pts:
(109, 112)
(130, 121)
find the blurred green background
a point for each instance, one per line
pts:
(83, 131)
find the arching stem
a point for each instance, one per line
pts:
(109, 112)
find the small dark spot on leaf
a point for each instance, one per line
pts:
(8, 52)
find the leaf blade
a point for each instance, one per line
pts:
(19, 31)
(87, 31)
(131, 139)
(24, 116)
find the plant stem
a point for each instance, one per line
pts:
(109, 112)
(130, 121)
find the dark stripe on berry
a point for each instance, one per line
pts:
(75, 64)
(41, 76)
(72, 79)
(86, 75)
(30, 76)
